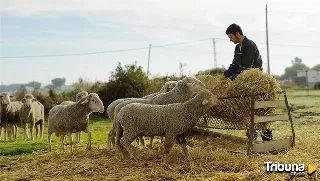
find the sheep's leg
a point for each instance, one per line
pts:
(37, 130)
(9, 131)
(49, 141)
(183, 143)
(119, 146)
(41, 128)
(0, 131)
(126, 141)
(5, 131)
(62, 142)
(142, 140)
(151, 141)
(70, 141)
(25, 131)
(89, 138)
(15, 127)
(110, 142)
(66, 140)
(78, 136)
(168, 142)
(31, 130)
(111, 137)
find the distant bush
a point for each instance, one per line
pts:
(316, 85)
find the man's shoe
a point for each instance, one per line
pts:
(266, 135)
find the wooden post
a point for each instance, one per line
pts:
(290, 118)
(251, 125)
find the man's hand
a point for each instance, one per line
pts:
(230, 71)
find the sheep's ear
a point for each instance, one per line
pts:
(189, 84)
(85, 101)
(204, 102)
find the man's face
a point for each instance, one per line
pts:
(233, 38)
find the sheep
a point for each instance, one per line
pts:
(169, 85)
(172, 121)
(182, 92)
(67, 119)
(79, 96)
(166, 88)
(10, 119)
(32, 112)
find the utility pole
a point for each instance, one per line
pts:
(267, 36)
(214, 52)
(149, 60)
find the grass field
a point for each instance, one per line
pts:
(210, 158)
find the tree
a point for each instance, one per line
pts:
(132, 75)
(58, 82)
(316, 67)
(291, 72)
(81, 85)
(127, 81)
(213, 71)
(34, 84)
(296, 60)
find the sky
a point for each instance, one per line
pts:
(186, 29)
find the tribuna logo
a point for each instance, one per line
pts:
(279, 167)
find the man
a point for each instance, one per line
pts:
(246, 53)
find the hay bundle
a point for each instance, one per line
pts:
(236, 109)
(218, 84)
(255, 81)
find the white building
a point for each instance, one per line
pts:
(312, 76)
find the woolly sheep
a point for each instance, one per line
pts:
(32, 112)
(182, 92)
(169, 85)
(67, 119)
(10, 119)
(172, 121)
(79, 96)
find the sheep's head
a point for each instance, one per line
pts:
(28, 99)
(194, 81)
(208, 99)
(168, 86)
(5, 98)
(193, 85)
(81, 95)
(94, 102)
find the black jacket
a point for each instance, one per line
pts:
(245, 56)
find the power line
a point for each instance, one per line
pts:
(277, 44)
(75, 54)
(102, 52)
(187, 50)
(143, 48)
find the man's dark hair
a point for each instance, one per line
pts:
(233, 29)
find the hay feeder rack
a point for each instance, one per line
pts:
(257, 111)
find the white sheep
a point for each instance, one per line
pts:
(10, 119)
(182, 92)
(169, 85)
(172, 121)
(67, 119)
(79, 96)
(32, 112)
